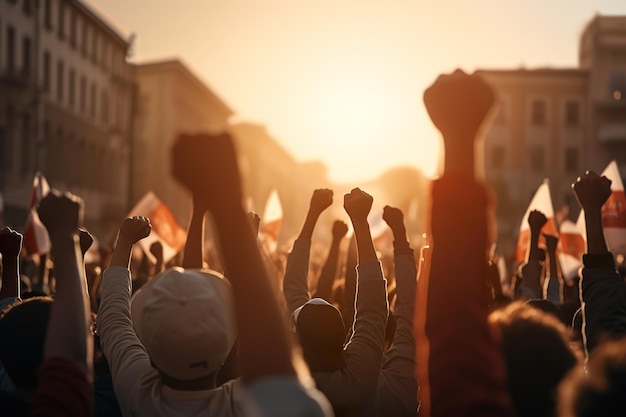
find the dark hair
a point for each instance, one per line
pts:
(23, 328)
(537, 355)
(600, 392)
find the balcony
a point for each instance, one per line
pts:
(612, 132)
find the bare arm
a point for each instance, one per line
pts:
(194, 247)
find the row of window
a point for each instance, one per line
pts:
(539, 113)
(69, 159)
(537, 159)
(88, 39)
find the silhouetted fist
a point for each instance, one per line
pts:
(457, 104)
(339, 229)
(393, 217)
(321, 199)
(10, 243)
(207, 166)
(357, 204)
(592, 191)
(85, 239)
(62, 214)
(133, 229)
(536, 220)
(156, 249)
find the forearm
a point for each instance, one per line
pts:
(10, 277)
(295, 282)
(309, 225)
(69, 320)
(264, 346)
(194, 246)
(364, 244)
(327, 276)
(121, 254)
(596, 243)
(406, 281)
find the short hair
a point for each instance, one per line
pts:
(23, 329)
(537, 355)
(600, 391)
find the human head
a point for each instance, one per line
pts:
(537, 355)
(321, 331)
(23, 329)
(600, 390)
(185, 320)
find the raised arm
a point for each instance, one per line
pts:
(209, 163)
(457, 309)
(295, 284)
(194, 247)
(156, 249)
(532, 270)
(602, 289)
(64, 387)
(553, 284)
(10, 247)
(329, 271)
(398, 385)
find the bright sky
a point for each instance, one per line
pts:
(342, 80)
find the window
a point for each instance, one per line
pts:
(571, 161)
(25, 145)
(617, 85)
(538, 112)
(60, 78)
(72, 82)
(105, 55)
(48, 14)
(92, 100)
(27, 7)
(94, 46)
(11, 50)
(46, 71)
(73, 23)
(536, 158)
(83, 94)
(55, 155)
(61, 21)
(572, 113)
(26, 54)
(84, 39)
(498, 157)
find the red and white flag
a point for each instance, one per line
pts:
(36, 239)
(541, 201)
(164, 227)
(572, 248)
(271, 221)
(613, 213)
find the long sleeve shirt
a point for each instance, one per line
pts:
(466, 367)
(353, 390)
(398, 385)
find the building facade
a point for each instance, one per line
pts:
(66, 105)
(171, 100)
(556, 124)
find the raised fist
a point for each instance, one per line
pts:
(322, 199)
(339, 229)
(133, 229)
(592, 191)
(10, 243)
(536, 220)
(393, 217)
(457, 104)
(85, 239)
(61, 213)
(207, 166)
(357, 204)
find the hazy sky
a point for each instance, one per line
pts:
(341, 81)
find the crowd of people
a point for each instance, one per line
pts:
(428, 334)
